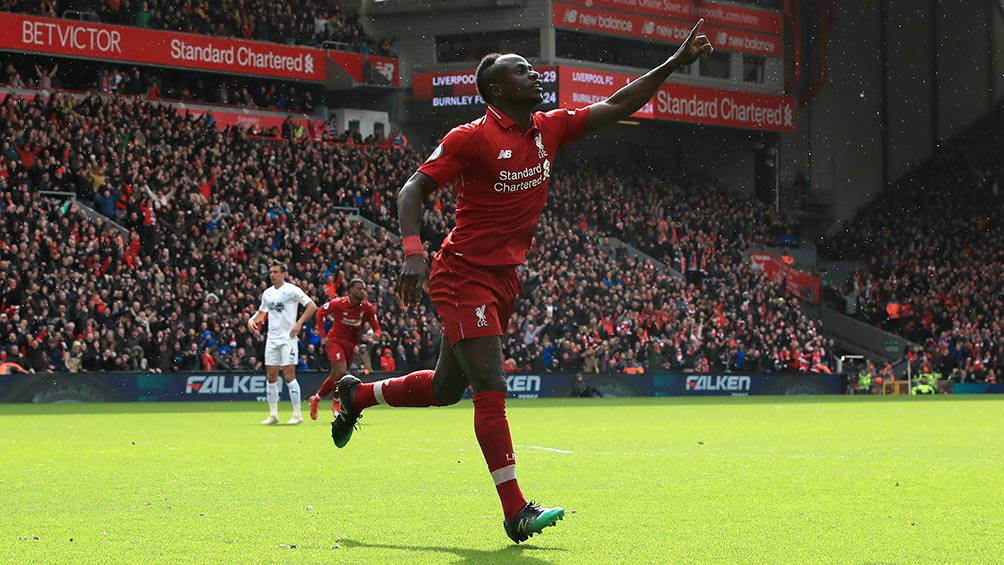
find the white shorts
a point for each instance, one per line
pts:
(280, 352)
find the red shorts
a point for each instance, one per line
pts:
(472, 300)
(339, 352)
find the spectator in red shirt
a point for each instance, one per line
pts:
(387, 360)
(8, 367)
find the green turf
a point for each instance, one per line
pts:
(735, 480)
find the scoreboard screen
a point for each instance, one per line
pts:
(459, 89)
(580, 87)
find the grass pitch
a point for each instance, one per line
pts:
(725, 480)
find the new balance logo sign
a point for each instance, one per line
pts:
(386, 70)
(505, 154)
(480, 313)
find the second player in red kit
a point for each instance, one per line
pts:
(351, 313)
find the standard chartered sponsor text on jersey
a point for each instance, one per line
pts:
(243, 56)
(516, 187)
(535, 172)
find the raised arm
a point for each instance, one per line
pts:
(415, 270)
(632, 97)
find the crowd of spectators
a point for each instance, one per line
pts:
(692, 224)
(593, 307)
(294, 22)
(163, 84)
(932, 252)
(204, 211)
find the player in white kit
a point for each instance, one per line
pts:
(280, 302)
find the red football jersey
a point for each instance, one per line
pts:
(502, 176)
(349, 318)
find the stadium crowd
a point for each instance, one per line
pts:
(203, 212)
(691, 224)
(624, 313)
(176, 185)
(163, 84)
(932, 252)
(295, 22)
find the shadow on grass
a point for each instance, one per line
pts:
(510, 554)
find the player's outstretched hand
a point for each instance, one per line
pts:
(414, 280)
(696, 46)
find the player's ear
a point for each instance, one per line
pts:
(494, 90)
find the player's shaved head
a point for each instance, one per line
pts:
(486, 73)
(495, 75)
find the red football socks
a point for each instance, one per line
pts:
(413, 389)
(326, 387)
(492, 431)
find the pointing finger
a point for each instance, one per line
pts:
(696, 31)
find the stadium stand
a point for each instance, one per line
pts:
(204, 210)
(163, 84)
(295, 22)
(932, 260)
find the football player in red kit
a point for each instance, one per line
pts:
(501, 166)
(350, 313)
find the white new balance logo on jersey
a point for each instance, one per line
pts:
(480, 313)
(505, 154)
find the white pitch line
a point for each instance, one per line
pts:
(551, 449)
